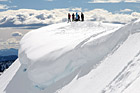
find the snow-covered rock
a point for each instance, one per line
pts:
(78, 57)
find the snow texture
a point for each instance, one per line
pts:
(55, 55)
(79, 57)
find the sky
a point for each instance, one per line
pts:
(110, 5)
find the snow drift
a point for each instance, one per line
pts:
(62, 54)
(82, 57)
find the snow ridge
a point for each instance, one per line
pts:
(109, 76)
(67, 57)
(64, 64)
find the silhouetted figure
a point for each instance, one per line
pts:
(76, 17)
(82, 16)
(73, 17)
(69, 16)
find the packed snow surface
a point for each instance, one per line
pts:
(78, 57)
(61, 49)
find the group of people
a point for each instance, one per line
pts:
(75, 17)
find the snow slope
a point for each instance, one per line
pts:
(8, 75)
(57, 53)
(114, 74)
(83, 57)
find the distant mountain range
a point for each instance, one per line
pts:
(7, 57)
(8, 52)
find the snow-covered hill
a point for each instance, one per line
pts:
(82, 57)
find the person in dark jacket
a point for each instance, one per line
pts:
(73, 17)
(78, 18)
(69, 17)
(82, 16)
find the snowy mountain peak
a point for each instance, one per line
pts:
(78, 57)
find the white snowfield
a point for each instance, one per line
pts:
(82, 57)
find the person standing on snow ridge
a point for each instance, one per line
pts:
(73, 17)
(82, 16)
(76, 16)
(69, 16)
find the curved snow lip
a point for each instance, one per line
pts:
(76, 56)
